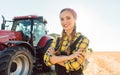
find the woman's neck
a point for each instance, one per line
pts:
(68, 33)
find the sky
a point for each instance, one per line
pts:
(98, 20)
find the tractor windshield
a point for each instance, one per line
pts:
(25, 25)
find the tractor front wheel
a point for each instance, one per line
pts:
(16, 61)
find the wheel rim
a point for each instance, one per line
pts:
(20, 65)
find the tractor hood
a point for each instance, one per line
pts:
(9, 35)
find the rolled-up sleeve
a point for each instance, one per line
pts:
(47, 55)
(76, 64)
(47, 59)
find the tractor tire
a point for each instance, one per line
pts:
(16, 60)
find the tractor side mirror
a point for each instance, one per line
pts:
(44, 21)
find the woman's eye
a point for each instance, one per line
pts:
(66, 18)
(61, 19)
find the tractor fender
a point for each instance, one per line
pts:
(23, 43)
(43, 41)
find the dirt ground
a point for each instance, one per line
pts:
(102, 63)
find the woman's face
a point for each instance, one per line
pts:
(67, 20)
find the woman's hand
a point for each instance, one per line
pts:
(51, 50)
(81, 56)
(77, 54)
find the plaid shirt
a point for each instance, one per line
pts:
(73, 64)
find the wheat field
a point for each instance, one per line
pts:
(103, 63)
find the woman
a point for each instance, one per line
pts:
(68, 60)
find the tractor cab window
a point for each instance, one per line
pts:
(38, 31)
(24, 26)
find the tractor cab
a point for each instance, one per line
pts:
(32, 28)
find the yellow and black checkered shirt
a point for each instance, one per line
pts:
(73, 64)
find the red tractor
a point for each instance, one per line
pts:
(23, 46)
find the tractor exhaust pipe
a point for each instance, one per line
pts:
(3, 23)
